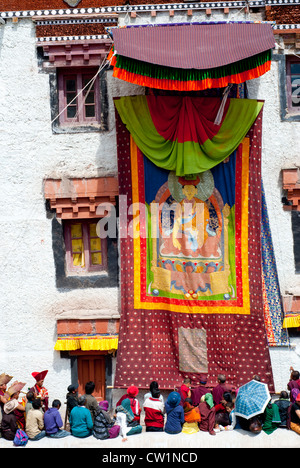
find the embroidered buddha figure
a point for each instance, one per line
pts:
(197, 224)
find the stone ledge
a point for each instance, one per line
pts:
(82, 314)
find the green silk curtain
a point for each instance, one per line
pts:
(188, 157)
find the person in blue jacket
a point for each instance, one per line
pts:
(175, 414)
(53, 421)
(81, 423)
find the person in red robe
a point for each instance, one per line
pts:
(207, 414)
(220, 389)
(199, 390)
(39, 390)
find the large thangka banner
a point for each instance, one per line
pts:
(191, 279)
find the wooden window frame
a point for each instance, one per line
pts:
(80, 119)
(88, 268)
(291, 109)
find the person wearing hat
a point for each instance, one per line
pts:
(295, 415)
(104, 425)
(131, 394)
(9, 420)
(4, 379)
(39, 390)
(13, 412)
(175, 414)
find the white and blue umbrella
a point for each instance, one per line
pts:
(252, 399)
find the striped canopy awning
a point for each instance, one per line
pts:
(192, 56)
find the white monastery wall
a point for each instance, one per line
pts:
(280, 150)
(30, 152)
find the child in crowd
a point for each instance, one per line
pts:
(175, 414)
(53, 422)
(223, 409)
(185, 390)
(226, 418)
(29, 398)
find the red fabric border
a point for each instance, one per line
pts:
(143, 242)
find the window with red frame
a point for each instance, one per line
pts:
(85, 251)
(79, 102)
(293, 84)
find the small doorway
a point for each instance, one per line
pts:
(91, 367)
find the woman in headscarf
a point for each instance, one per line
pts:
(125, 419)
(207, 413)
(104, 425)
(175, 414)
